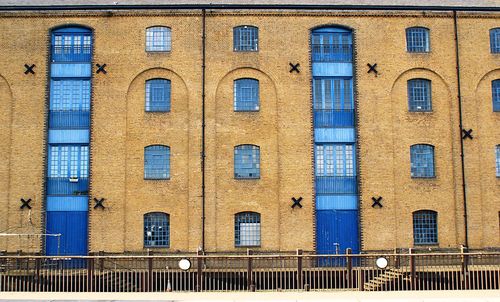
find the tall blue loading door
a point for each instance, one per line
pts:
(336, 185)
(67, 181)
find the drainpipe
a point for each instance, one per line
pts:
(459, 87)
(203, 131)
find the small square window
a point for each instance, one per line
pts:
(158, 38)
(417, 39)
(245, 38)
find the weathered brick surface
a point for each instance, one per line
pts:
(282, 128)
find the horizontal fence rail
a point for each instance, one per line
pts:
(450, 271)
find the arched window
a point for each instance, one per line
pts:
(419, 95)
(247, 229)
(246, 162)
(158, 38)
(425, 228)
(246, 95)
(497, 154)
(246, 38)
(331, 44)
(71, 44)
(156, 230)
(157, 162)
(158, 95)
(495, 91)
(495, 40)
(417, 39)
(422, 161)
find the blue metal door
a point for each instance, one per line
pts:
(336, 231)
(73, 229)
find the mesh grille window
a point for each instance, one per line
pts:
(419, 95)
(246, 161)
(157, 162)
(158, 95)
(158, 38)
(422, 161)
(246, 38)
(70, 95)
(425, 230)
(495, 88)
(495, 40)
(247, 229)
(156, 230)
(246, 95)
(417, 39)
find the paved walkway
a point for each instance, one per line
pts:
(416, 296)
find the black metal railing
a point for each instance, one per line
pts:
(336, 53)
(67, 186)
(325, 118)
(357, 272)
(336, 185)
(69, 119)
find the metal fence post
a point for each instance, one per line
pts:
(348, 259)
(199, 274)
(413, 276)
(250, 284)
(464, 267)
(90, 273)
(38, 265)
(149, 284)
(300, 283)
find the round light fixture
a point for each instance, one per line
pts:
(184, 264)
(382, 262)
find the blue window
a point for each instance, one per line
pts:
(156, 230)
(497, 153)
(246, 95)
(156, 162)
(425, 230)
(71, 45)
(247, 229)
(68, 161)
(495, 40)
(335, 160)
(331, 45)
(422, 161)
(419, 95)
(495, 89)
(71, 95)
(246, 161)
(417, 39)
(246, 38)
(158, 95)
(158, 38)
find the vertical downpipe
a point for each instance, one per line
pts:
(203, 131)
(459, 87)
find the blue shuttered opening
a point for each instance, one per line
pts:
(336, 185)
(67, 181)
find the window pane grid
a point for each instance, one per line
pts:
(70, 95)
(157, 162)
(417, 39)
(335, 160)
(76, 47)
(245, 38)
(332, 94)
(158, 95)
(246, 162)
(425, 227)
(68, 161)
(247, 229)
(422, 161)
(332, 47)
(246, 95)
(495, 40)
(156, 230)
(158, 39)
(419, 95)
(495, 87)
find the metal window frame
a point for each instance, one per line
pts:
(421, 164)
(253, 34)
(254, 164)
(425, 226)
(158, 217)
(254, 234)
(495, 40)
(240, 105)
(425, 87)
(152, 172)
(153, 106)
(166, 33)
(418, 39)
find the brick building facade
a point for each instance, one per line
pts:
(361, 152)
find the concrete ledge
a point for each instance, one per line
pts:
(344, 296)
